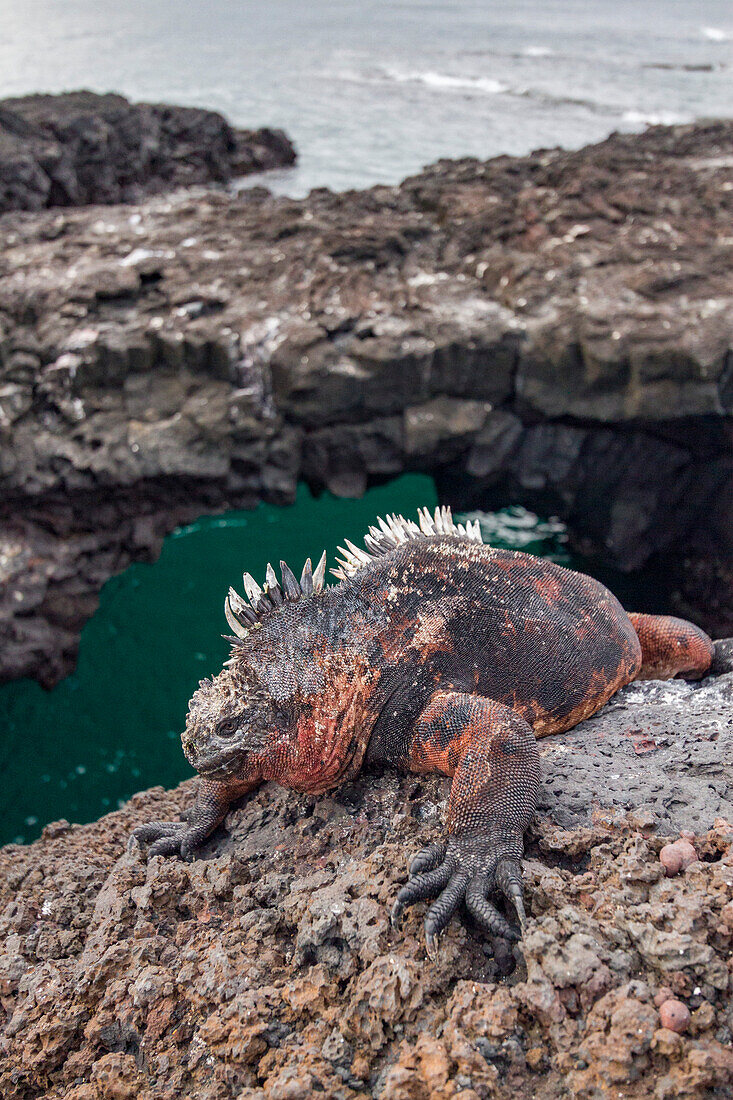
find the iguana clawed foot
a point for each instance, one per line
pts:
(168, 838)
(465, 868)
(183, 838)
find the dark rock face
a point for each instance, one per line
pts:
(552, 330)
(268, 969)
(664, 749)
(80, 148)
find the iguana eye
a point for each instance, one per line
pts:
(228, 727)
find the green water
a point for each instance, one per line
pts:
(113, 726)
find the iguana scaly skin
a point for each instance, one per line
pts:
(434, 653)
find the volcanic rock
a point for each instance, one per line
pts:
(80, 148)
(553, 330)
(268, 968)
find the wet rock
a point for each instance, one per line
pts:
(78, 148)
(440, 423)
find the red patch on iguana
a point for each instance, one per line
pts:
(548, 588)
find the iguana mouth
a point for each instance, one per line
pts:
(219, 764)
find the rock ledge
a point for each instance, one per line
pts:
(268, 970)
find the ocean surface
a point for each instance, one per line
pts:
(372, 90)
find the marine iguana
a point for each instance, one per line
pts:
(434, 653)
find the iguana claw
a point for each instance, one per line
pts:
(168, 838)
(467, 872)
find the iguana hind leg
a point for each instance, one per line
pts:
(671, 647)
(492, 755)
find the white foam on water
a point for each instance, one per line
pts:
(715, 34)
(446, 82)
(537, 51)
(652, 118)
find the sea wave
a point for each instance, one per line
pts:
(440, 81)
(549, 99)
(652, 118)
(536, 51)
(683, 67)
(715, 34)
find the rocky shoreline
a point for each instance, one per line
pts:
(268, 970)
(554, 330)
(80, 148)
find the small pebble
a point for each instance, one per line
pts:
(674, 1015)
(535, 1057)
(664, 994)
(677, 856)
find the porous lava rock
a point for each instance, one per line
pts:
(553, 330)
(268, 969)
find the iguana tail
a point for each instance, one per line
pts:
(671, 647)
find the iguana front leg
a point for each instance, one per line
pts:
(492, 754)
(184, 837)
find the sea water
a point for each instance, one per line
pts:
(371, 90)
(113, 726)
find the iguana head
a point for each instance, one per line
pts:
(234, 727)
